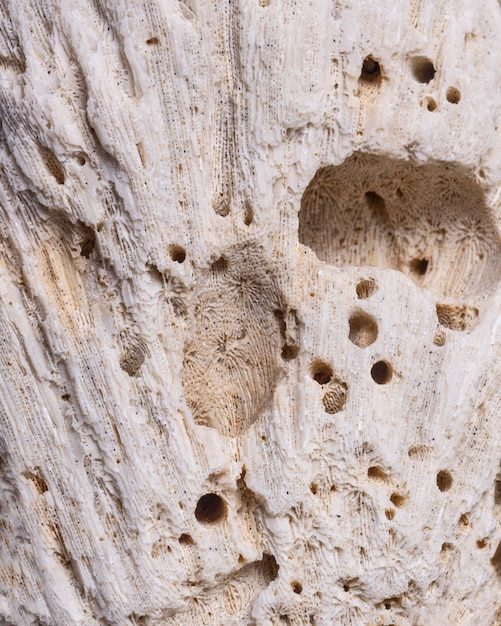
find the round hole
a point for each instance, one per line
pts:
(321, 372)
(366, 288)
(381, 372)
(453, 95)
(444, 480)
(297, 587)
(397, 500)
(431, 105)
(422, 69)
(186, 540)
(419, 267)
(371, 71)
(210, 508)
(376, 473)
(314, 488)
(363, 329)
(178, 254)
(81, 160)
(152, 41)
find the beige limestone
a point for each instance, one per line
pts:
(250, 267)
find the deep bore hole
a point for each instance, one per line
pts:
(321, 372)
(444, 480)
(177, 253)
(210, 509)
(423, 69)
(371, 71)
(453, 95)
(397, 500)
(363, 329)
(376, 204)
(381, 372)
(152, 41)
(186, 540)
(297, 587)
(419, 267)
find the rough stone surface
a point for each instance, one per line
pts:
(250, 328)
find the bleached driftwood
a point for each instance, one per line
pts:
(250, 312)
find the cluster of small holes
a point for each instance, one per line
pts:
(210, 509)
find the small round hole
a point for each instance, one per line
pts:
(210, 509)
(314, 488)
(453, 95)
(381, 372)
(186, 540)
(321, 372)
(481, 544)
(177, 253)
(444, 480)
(376, 473)
(419, 266)
(81, 160)
(297, 587)
(152, 41)
(363, 329)
(366, 288)
(389, 513)
(423, 69)
(371, 71)
(431, 105)
(397, 500)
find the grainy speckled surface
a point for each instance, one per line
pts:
(250, 328)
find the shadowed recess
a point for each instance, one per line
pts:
(234, 351)
(427, 220)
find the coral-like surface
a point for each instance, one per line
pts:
(250, 332)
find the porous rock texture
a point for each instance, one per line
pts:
(250, 267)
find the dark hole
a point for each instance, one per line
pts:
(178, 254)
(289, 352)
(270, 567)
(422, 69)
(381, 372)
(152, 41)
(496, 560)
(221, 265)
(376, 204)
(297, 587)
(210, 508)
(321, 372)
(186, 540)
(444, 480)
(432, 105)
(453, 95)
(371, 71)
(419, 266)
